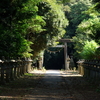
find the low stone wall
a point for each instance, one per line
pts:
(11, 69)
(89, 68)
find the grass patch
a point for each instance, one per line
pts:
(29, 74)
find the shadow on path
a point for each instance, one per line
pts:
(51, 85)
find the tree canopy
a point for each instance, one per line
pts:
(75, 15)
(29, 26)
(88, 30)
(14, 17)
(53, 29)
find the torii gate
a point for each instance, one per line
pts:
(65, 41)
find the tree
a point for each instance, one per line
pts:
(90, 26)
(24, 30)
(75, 15)
(54, 21)
(14, 22)
(79, 42)
(88, 29)
(89, 50)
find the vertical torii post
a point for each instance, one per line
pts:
(65, 41)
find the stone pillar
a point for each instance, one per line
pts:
(7, 68)
(29, 67)
(18, 67)
(11, 63)
(2, 67)
(68, 62)
(72, 64)
(15, 69)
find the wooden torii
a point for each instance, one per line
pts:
(65, 41)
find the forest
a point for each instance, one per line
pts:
(30, 28)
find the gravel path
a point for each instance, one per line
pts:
(65, 85)
(50, 85)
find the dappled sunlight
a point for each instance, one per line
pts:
(27, 97)
(67, 73)
(70, 73)
(36, 71)
(10, 98)
(48, 85)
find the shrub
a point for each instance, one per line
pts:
(89, 50)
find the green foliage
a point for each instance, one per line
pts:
(13, 45)
(97, 53)
(54, 18)
(77, 8)
(90, 27)
(89, 50)
(97, 6)
(63, 1)
(15, 17)
(29, 74)
(52, 24)
(87, 30)
(79, 41)
(75, 15)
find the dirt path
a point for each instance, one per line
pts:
(81, 88)
(49, 85)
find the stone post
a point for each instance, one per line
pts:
(29, 64)
(15, 69)
(18, 67)
(2, 67)
(68, 62)
(7, 70)
(11, 63)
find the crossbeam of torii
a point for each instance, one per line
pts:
(65, 41)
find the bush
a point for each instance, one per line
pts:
(89, 50)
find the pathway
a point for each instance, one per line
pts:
(51, 87)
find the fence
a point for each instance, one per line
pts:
(12, 69)
(89, 68)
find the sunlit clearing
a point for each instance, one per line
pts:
(52, 71)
